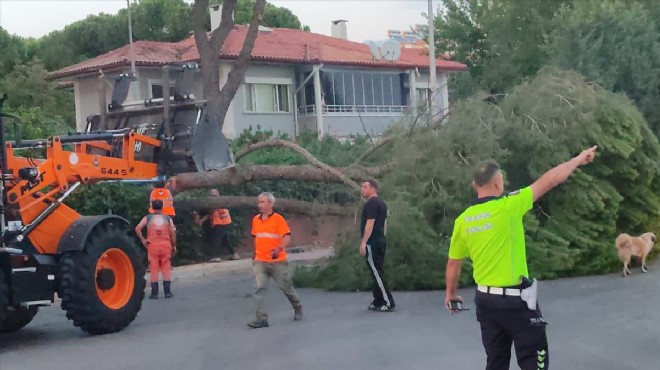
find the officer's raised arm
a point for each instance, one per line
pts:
(560, 173)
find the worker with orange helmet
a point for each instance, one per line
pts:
(162, 193)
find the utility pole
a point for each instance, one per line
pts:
(432, 78)
(130, 37)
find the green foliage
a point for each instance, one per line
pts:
(414, 255)
(44, 109)
(616, 44)
(27, 88)
(540, 124)
(153, 20)
(328, 150)
(13, 52)
(274, 16)
(502, 42)
(158, 20)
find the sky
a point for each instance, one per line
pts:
(367, 19)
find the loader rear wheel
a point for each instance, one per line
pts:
(4, 296)
(102, 286)
(12, 319)
(17, 319)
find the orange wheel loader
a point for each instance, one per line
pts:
(93, 263)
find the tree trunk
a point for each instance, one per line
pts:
(218, 101)
(241, 174)
(286, 205)
(276, 143)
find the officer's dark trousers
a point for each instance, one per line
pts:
(505, 320)
(375, 261)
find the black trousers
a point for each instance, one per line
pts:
(376, 260)
(220, 238)
(505, 320)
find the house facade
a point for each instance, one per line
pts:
(296, 81)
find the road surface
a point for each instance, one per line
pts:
(604, 323)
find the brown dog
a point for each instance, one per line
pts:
(628, 246)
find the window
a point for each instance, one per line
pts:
(380, 89)
(156, 89)
(266, 98)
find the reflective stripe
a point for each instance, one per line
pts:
(268, 235)
(370, 259)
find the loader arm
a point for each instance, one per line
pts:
(35, 188)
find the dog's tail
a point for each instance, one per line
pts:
(623, 245)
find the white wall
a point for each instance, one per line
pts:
(342, 126)
(86, 95)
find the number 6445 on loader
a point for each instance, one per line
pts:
(92, 262)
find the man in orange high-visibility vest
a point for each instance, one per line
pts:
(219, 229)
(161, 246)
(162, 193)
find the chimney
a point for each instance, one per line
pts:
(216, 15)
(339, 29)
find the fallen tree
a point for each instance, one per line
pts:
(290, 205)
(240, 174)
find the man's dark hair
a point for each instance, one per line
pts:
(373, 183)
(485, 172)
(160, 183)
(157, 204)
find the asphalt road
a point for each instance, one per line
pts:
(604, 323)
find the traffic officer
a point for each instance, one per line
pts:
(162, 193)
(161, 246)
(490, 232)
(271, 236)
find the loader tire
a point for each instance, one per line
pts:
(4, 296)
(12, 319)
(17, 319)
(102, 286)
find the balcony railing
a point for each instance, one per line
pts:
(310, 110)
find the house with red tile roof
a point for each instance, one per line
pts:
(296, 81)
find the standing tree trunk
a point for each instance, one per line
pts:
(209, 49)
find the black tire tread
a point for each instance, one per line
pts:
(4, 296)
(77, 287)
(17, 319)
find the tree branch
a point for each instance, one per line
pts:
(240, 65)
(277, 143)
(372, 149)
(197, 14)
(219, 35)
(288, 205)
(241, 174)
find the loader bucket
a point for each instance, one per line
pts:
(195, 145)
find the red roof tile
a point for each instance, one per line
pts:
(280, 45)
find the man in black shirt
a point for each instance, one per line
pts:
(373, 228)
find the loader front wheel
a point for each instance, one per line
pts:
(102, 286)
